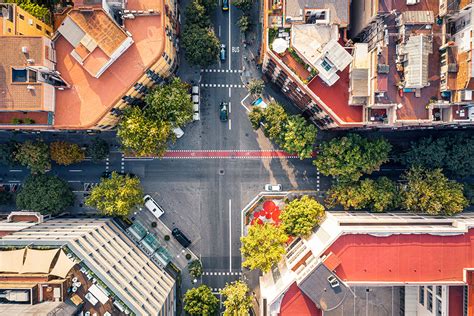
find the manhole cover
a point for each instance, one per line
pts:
(221, 172)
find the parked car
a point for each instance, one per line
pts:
(222, 54)
(181, 238)
(333, 281)
(152, 206)
(273, 187)
(225, 5)
(196, 103)
(178, 132)
(224, 111)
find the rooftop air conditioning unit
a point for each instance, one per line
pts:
(24, 49)
(30, 87)
(30, 61)
(30, 21)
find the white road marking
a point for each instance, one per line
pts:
(230, 124)
(230, 233)
(73, 181)
(230, 105)
(242, 102)
(219, 31)
(75, 170)
(15, 170)
(14, 181)
(230, 34)
(230, 92)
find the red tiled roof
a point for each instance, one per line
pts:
(336, 97)
(89, 98)
(295, 302)
(404, 258)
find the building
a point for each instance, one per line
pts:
(16, 21)
(110, 53)
(113, 274)
(376, 264)
(28, 81)
(389, 80)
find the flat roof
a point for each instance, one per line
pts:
(338, 9)
(404, 258)
(89, 98)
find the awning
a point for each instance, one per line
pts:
(11, 260)
(63, 265)
(38, 261)
(99, 294)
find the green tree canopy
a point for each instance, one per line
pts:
(197, 15)
(116, 196)
(351, 156)
(142, 135)
(34, 155)
(301, 215)
(201, 45)
(263, 246)
(195, 268)
(37, 10)
(299, 137)
(7, 153)
(374, 195)
(170, 103)
(429, 191)
(256, 117)
(255, 86)
(244, 5)
(237, 299)
(44, 193)
(275, 122)
(200, 301)
(245, 25)
(98, 150)
(64, 153)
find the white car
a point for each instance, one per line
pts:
(178, 132)
(273, 187)
(152, 206)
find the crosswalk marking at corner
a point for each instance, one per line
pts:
(221, 85)
(222, 70)
(207, 273)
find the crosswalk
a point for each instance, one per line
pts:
(221, 273)
(222, 70)
(221, 85)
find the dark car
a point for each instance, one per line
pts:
(181, 238)
(224, 111)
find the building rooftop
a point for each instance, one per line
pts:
(15, 96)
(295, 10)
(91, 98)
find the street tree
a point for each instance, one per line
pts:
(34, 155)
(300, 216)
(237, 299)
(195, 268)
(275, 122)
(201, 45)
(200, 301)
(351, 156)
(245, 25)
(244, 5)
(210, 5)
(460, 161)
(299, 137)
(7, 153)
(44, 193)
(263, 246)
(116, 196)
(170, 103)
(373, 195)
(426, 152)
(256, 87)
(64, 153)
(5, 197)
(256, 117)
(429, 191)
(142, 135)
(98, 150)
(197, 14)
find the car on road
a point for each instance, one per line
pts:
(178, 132)
(152, 206)
(222, 53)
(224, 111)
(225, 5)
(181, 238)
(273, 187)
(196, 103)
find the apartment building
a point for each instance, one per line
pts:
(103, 269)
(111, 53)
(409, 64)
(16, 21)
(375, 264)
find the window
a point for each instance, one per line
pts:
(421, 295)
(429, 301)
(19, 75)
(39, 27)
(22, 17)
(439, 291)
(9, 30)
(48, 33)
(439, 307)
(32, 76)
(326, 65)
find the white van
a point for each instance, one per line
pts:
(152, 206)
(178, 132)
